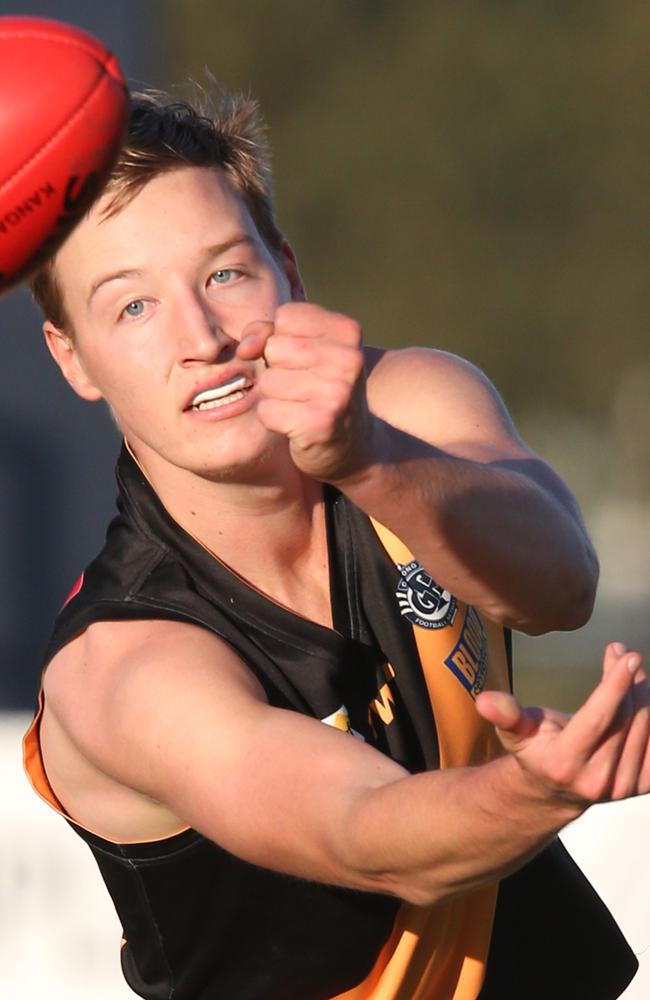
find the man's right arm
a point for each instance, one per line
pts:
(171, 712)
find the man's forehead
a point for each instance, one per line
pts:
(203, 194)
(193, 206)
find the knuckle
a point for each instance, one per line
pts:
(268, 384)
(303, 346)
(562, 773)
(338, 396)
(349, 329)
(598, 787)
(284, 310)
(355, 363)
(271, 349)
(623, 789)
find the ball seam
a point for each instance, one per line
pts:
(104, 76)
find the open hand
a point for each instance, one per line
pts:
(600, 753)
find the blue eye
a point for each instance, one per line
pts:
(134, 309)
(223, 276)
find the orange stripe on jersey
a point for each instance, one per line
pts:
(452, 663)
(421, 959)
(33, 761)
(34, 768)
(439, 952)
(464, 737)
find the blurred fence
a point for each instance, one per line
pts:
(59, 935)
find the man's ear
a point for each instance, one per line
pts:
(62, 348)
(290, 267)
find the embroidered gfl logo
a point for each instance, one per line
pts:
(421, 600)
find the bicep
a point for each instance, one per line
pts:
(188, 725)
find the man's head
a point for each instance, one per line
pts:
(223, 130)
(147, 300)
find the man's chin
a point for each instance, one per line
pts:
(250, 472)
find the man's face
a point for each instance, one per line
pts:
(158, 297)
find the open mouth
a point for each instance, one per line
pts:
(221, 395)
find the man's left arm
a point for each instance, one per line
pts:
(425, 446)
(452, 479)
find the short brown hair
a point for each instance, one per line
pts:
(216, 129)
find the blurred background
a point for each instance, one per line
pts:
(470, 176)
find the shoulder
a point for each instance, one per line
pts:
(113, 697)
(118, 679)
(442, 398)
(412, 369)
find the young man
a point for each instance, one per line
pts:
(289, 745)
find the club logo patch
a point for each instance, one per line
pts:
(421, 600)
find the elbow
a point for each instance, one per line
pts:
(415, 889)
(570, 599)
(578, 594)
(578, 611)
(425, 890)
(419, 895)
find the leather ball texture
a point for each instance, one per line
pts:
(63, 112)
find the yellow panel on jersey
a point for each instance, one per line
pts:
(422, 960)
(464, 657)
(439, 952)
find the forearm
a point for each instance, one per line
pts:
(439, 834)
(488, 533)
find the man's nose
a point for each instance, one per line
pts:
(201, 336)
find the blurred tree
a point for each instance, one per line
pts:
(473, 175)
(461, 174)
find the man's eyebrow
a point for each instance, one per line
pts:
(218, 248)
(133, 272)
(214, 250)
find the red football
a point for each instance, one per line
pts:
(63, 108)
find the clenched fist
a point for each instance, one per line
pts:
(313, 388)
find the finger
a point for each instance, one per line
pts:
(324, 356)
(604, 708)
(303, 424)
(309, 320)
(305, 386)
(512, 722)
(633, 752)
(254, 339)
(613, 653)
(607, 757)
(643, 784)
(278, 383)
(501, 709)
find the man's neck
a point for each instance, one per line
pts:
(270, 531)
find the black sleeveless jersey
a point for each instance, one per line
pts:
(201, 924)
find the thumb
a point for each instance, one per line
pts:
(512, 722)
(253, 340)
